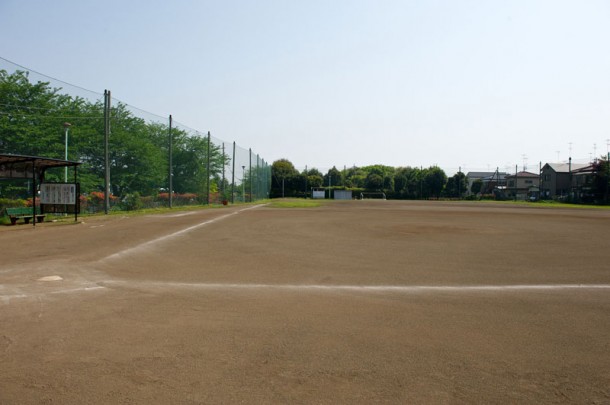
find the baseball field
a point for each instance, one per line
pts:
(346, 302)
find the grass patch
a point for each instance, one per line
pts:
(295, 203)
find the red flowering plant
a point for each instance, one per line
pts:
(180, 199)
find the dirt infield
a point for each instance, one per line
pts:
(350, 302)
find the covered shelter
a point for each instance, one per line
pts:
(34, 168)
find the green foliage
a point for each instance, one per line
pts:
(10, 203)
(457, 186)
(333, 177)
(401, 183)
(286, 181)
(373, 182)
(32, 117)
(476, 187)
(407, 183)
(132, 202)
(433, 182)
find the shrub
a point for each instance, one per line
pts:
(132, 202)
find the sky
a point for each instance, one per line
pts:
(458, 84)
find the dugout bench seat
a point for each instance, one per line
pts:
(25, 213)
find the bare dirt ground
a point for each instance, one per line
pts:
(351, 302)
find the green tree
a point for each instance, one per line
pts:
(476, 187)
(284, 179)
(407, 182)
(457, 185)
(434, 179)
(374, 182)
(336, 179)
(355, 177)
(32, 117)
(190, 161)
(310, 178)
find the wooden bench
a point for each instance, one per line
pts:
(25, 213)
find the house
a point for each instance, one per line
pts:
(556, 179)
(582, 183)
(522, 185)
(490, 181)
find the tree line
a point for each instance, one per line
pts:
(397, 183)
(32, 122)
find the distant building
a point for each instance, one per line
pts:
(556, 179)
(490, 181)
(522, 185)
(582, 184)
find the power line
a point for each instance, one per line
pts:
(52, 78)
(49, 116)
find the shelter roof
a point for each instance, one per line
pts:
(22, 166)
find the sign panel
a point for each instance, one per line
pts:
(58, 193)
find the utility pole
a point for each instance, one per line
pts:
(107, 99)
(570, 177)
(607, 176)
(171, 168)
(459, 179)
(306, 181)
(222, 189)
(233, 176)
(243, 183)
(208, 170)
(258, 178)
(250, 172)
(516, 168)
(66, 130)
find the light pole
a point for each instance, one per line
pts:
(243, 183)
(67, 126)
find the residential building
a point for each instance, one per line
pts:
(582, 182)
(522, 185)
(490, 181)
(556, 179)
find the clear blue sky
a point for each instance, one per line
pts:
(476, 84)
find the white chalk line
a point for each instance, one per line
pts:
(6, 299)
(360, 288)
(405, 289)
(175, 234)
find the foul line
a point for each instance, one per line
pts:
(175, 234)
(361, 288)
(157, 285)
(6, 299)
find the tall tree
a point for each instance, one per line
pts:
(284, 179)
(457, 186)
(434, 181)
(333, 177)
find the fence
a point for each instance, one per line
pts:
(130, 158)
